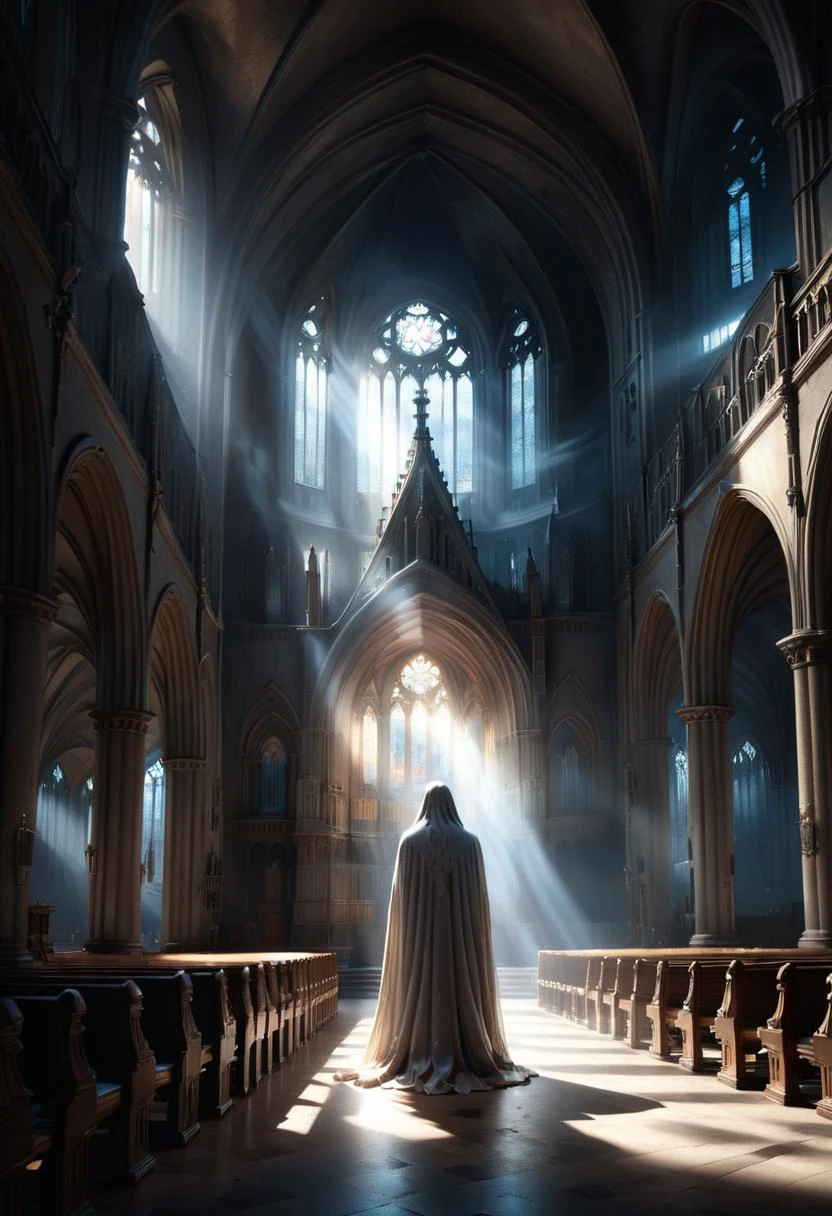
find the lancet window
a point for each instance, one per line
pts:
(311, 392)
(153, 822)
(272, 778)
(521, 359)
(148, 190)
(415, 347)
(369, 747)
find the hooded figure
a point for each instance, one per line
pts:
(438, 1027)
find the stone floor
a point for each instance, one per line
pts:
(601, 1130)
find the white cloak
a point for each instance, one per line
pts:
(438, 1027)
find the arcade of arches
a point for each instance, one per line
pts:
(387, 399)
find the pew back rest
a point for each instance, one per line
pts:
(750, 991)
(706, 988)
(54, 1064)
(624, 969)
(802, 991)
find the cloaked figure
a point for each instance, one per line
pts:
(438, 1027)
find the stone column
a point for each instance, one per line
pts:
(185, 852)
(24, 630)
(809, 654)
(652, 836)
(710, 823)
(115, 858)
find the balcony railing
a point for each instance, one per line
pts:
(718, 409)
(108, 313)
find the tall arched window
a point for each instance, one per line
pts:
(273, 764)
(569, 774)
(420, 742)
(730, 241)
(311, 388)
(522, 353)
(148, 191)
(153, 822)
(416, 347)
(369, 747)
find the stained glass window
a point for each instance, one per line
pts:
(679, 807)
(416, 346)
(739, 233)
(420, 675)
(153, 822)
(273, 765)
(398, 774)
(522, 353)
(369, 747)
(311, 388)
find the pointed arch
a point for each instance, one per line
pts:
(747, 564)
(95, 565)
(657, 668)
(174, 671)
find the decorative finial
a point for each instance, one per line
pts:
(421, 401)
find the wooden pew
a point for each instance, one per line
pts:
(218, 1027)
(801, 1003)
(749, 998)
(596, 1011)
(691, 989)
(277, 1014)
(581, 1010)
(622, 988)
(168, 1025)
(817, 1050)
(69, 1102)
(287, 1009)
(118, 1053)
(705, 992)
(17, 1132)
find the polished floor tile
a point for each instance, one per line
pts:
(601, 1130)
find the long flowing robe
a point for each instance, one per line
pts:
(438, 1027)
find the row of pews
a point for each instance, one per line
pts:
(759, 1019)
(121, 1055)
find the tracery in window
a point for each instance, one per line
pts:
(153, 823)
(272, 778)
(311, 389)
(744, 172)
(522, 353)
(415, 347)
(420, 725)
(148, 191)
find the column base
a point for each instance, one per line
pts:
(703, 940)
(815, 939)
(103, 946)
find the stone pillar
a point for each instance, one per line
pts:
(808, 132)
(809, 654)
(185, 853)
(24, 629)
(651, 843)
(710, 823)
(115, 857)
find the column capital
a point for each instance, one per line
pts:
(704, 713)
(22, 602)
(806, 647)
(136, 721)
(183, 764)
